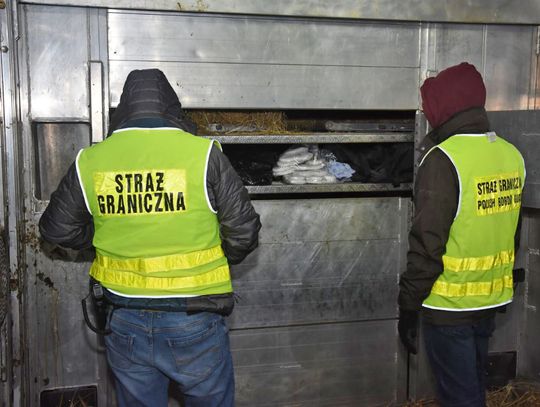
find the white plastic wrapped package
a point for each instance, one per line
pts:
(279, 171)
(294, 179)
(291, 152)
(314, 164)
(322, 179)
(302, 165)
(289, 160)
(309, 177)
(295, 159)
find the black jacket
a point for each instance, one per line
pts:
(436, 197)
(149, 101)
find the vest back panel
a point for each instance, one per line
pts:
(479, 253)
(155, 232)
(146, 190)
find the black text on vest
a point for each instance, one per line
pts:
(140, 193)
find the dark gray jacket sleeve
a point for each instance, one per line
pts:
(239, 223)
(66, 220)
(436, 199)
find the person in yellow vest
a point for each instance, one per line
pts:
(463, 238)
(167, 214)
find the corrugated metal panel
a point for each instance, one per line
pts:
(507, 82)
(528, 356)
(250, 62)
(321, 260)
(321, 220)
(58, 71)
(54, 85)
(241, 86)
(317, 308)
(61, 339)
(218, 61)
(351, 364)
(479, 11)
(303, 282)
(277, 41)
(522, 128)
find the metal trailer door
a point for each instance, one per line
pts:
(9, 302)
(62, 75)
(339, 343)
(64, 94)
(522, 128)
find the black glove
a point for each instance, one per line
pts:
(408, 330)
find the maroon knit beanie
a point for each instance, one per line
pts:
(453, 90)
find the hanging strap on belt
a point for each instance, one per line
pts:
(102, 309)
(221, 304)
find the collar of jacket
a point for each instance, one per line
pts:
(156, 121)
(471, 121)
(148, 122)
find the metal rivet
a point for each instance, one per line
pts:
(4, 48)
(2, 4)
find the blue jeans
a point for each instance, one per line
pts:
(458, 357)
(147, 349)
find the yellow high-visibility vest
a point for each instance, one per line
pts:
(156, 233)
(479, 255)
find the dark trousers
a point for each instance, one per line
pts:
(458, 359)
(148, 349)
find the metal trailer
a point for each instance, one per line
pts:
(317, 324)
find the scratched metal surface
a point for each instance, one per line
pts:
(316, 319)
(322, 260)
(485, 11)
(347, 364)
(529, 357)
(326, 268)
(522, 128)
